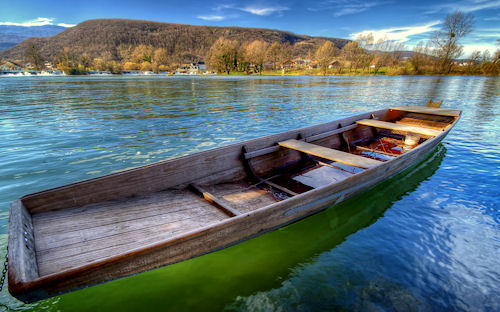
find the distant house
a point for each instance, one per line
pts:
(288, 64)
(192, 68)
(7, 65)
(268, 66)
(314, 64)
(201, 66)
(334, 64)
(300, 63)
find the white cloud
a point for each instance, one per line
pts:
(355, 8)
(345, 7)
(469, 48)
(263, 11)
(399, 34)
(66, 25)
(466, 6)
(211, 17)
(41, 21)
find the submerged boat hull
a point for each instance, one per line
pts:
(30, 279)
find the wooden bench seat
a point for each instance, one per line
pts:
(331, 154)
(398, 127)
(428, 110)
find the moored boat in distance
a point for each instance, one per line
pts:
(128, 222)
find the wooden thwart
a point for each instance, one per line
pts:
(331, 154)
(428, 110)
(398, 127)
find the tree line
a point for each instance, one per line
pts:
(365, 55)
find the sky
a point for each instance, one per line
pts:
(407, 21)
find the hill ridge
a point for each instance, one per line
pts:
(108, 38)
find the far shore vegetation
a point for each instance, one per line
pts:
(442, 54)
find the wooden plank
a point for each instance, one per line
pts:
(78, 254)
(331, 154)
(50, 237)
(428, 110)
(261, 152)
(398, 127)
(111, 212)
(22, 265)
(230, 211)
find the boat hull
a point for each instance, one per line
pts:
(28, 286)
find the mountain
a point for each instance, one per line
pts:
(12, 35)
(115, 38)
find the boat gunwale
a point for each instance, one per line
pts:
(186, 236)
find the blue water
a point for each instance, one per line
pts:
(426, 240)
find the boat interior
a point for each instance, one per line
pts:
(78, 233)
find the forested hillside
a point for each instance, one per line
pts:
(116, 39)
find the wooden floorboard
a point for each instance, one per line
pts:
(75, 255)
(66, 239)
(241, 197)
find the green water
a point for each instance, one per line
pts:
(428, 239)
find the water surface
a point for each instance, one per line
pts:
(428, 239)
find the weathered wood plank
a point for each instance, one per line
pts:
(50, 237)
(330, 154)
(79, 254)
(398, 127)
(99, 214)
(428, 110)
(22, 265)
(230, 211)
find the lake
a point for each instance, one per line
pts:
(426, 240)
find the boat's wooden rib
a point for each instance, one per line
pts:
(124, 223)
(398, 127)
(428, 110)
(230, 211)
(331, 154)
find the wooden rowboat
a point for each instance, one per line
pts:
(124, 223)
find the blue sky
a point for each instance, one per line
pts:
(405, 21)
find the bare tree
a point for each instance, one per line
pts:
(256, 54)
(273, 54)
(420, 58)
(160, 57)
(367, 44)
(351, 54)
(223, 55)
(325, 55)
(34, 57)
(446, 41)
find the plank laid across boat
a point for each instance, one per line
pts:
(124, 223)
